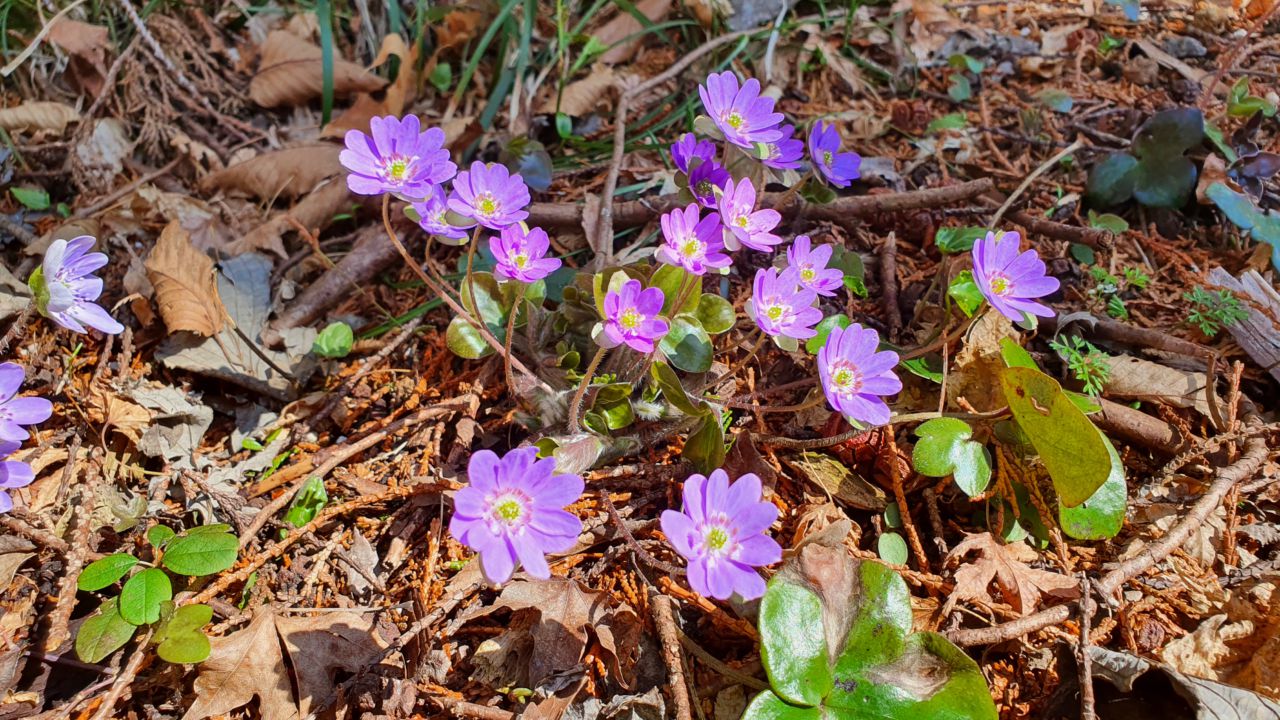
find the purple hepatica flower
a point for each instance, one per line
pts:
(512, 511)
(742, 115)
(855, 377)
(1010, 281)
(631, 317)
(780, 307)
(689, 148)
(721, 532)
(490, 195)
(705, 180)
(692, 244)
(811, 267)
(432, 218)
(522, 255)
(746, 225)
(824, 146)
(396, 158)
(13, 474)
(785, 152)
(65, 288)
(18, 411)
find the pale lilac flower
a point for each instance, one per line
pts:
(65, 288)
(1008, 280)
(812, 266)
(689, 148)
(824, 147)
(522, 255)
(13, 475)
(15, 412)
(741, 113)
(490, 195)
(705, 180)
(785, 152)
(512, 511)
(396, 158)
(692, 244)
(782, 308)
(855, 377)
(433, 218)
(746, 225)
(722, 532)
(631, 317)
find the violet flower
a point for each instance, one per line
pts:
(13, 474)
(811, 265)
(65, 288)
(512, 512)
(631, 317)
(490, 195)
(689, 148)
(824, 147)
(522, 255)
(780, 307)
(705, 180)
(433, 218)
(692, 244)
(396, 158)
(785, 152)
(741, 113)
(855, 376)
(746, 225)
(722, 533)
(15, 412)
(1010, 281)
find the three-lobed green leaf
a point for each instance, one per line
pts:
(946, 448)
(180, 639)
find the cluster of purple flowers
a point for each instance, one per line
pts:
(16, 414)
(512, 513)
(397, 157)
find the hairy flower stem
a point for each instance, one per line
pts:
(469, 280)
(440, 291)
(506, 341)
(783, 201)
(575, 406)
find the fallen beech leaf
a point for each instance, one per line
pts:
(185, 286)
(1137, 379)
(318, 646)
(198, 218)
(242, 665)
(315, 211)
(38, 116)
(580, 97)
(398, 94)
(624, 25)
(127, 418)
(89, 46)
(1019, 585)
(291, 73)
(290, 173)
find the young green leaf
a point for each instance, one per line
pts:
(705, 446)
(892, 548)
(954, 121)
(103, 633)
(31, 198)
(309, 501)
(956, 240)
(201, 553)
(334, 341)
(102, 572)
(142, 596)
(945, 448)
(964, 290)
(158, 535)
(815, 343)
(793, 646)
(669, 383)
(180, 638)
(687, 346)
(715, 314)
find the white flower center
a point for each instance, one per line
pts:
(691, 248)
(508, 511)
(487, 204)
(1001, 285)
(846, 378)
(396, 167)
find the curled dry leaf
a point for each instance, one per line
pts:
(290, 173)
(186, 290)
(398, 94)
(315, 211)
(291, 73)
(1020, 585)
(38, 116)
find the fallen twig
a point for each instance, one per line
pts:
(668, 635)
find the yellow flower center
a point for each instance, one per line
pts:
(716, 539)
(630, 320)
(397, 168)
(741, 221)
(735, 120)
(703, 187)
(487, 204)
(774, 312)
(520, 260)
(508, 510)
(691, 248)
(1000, 285)
(847, 379)
(826, 157)
(808, 274)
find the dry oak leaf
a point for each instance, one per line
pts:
(186, 290)
(1020, 586)
(250, 663)
(291, 73)
(38, 116)
(291, 173)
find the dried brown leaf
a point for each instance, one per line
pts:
(243, 665)
(624, 25)
(318, 646)
(186, 290)
(291, 73)
(1019, 585)
(315, 211)
(397, 96)
(290, 173)
(89, 46)
(38, 116)
(1137, 379)
(580, 97)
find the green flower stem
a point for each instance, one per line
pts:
(506, 340)
(470, 280)
(575, 406)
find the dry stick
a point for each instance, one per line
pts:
(1255, 455)
(60, 616)
(900, 494)
(464, 709)
(18, 328)
(575, 405)
(35, 535)
(1082, 650)
(718, 665)
(889, 284)
(995, 219)
(341, 455)
(125, 678)
(668, 635)
(935, 521)
(634, 544)
(88, 210)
